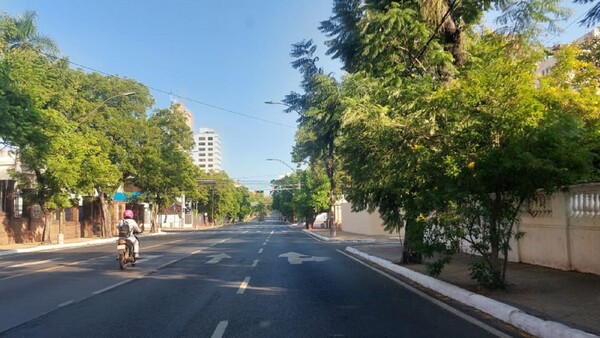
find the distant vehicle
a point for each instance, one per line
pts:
(321, 220)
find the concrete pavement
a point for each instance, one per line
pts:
(542, 301)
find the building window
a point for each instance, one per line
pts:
(210, 165)
(3, 196)
(202, 143)
(202, 160)
(202, 138)
(202, 154)
(210, 154)
(68, 214)
(210, 149)
(202, 149)
(210, 160)
(203, 166)
(210, 143)
(210, 138)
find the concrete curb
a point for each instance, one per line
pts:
(321, 237)
(51, 247)
(506, 313)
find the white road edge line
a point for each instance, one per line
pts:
(112, 286)
(260, 251)
(220, 330)
(255, 263)
(433, 300)
(65, 303)
(243, 286)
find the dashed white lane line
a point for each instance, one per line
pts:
(272, 232)
(245, 232)
(29, 264)
(65, 303)
(167, 264)
(243, 286)
(196, 252)
(220, 330)
(265, 243)
(260, 250)
(255, 263)
(112, 287)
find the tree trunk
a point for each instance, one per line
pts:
(104, 230)
(332, 186)
(495, 264)
(46, 232)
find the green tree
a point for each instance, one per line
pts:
(116, 122)
(342, 29)
(283, 195)
(21, 33)
(165, 170)
(42, 90)
(312, 198)
(320, 113)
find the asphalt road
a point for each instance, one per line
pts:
(249, 280)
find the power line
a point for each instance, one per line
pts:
(569, 25)
(178, 96)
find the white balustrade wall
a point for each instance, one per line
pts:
(562, 230)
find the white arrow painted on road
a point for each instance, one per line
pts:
(298, 258)
(217, 258)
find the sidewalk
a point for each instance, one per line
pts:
(566, 297)
(9, 249)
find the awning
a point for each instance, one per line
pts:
(125, 197)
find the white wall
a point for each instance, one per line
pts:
(363, 222)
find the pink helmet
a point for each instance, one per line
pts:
(128, 214)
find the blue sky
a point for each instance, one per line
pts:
(229, 54)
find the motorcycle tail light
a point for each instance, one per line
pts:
(121, 241)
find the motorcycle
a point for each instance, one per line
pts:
(125, 250)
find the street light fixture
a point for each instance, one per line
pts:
(93, 111)
(110, 98)
(287, 165)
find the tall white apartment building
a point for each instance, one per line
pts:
(207, 151)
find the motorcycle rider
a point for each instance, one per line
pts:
(134, 229)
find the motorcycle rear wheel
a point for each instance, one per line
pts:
(122, 261)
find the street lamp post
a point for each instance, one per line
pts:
(287, 165)
(110, 98)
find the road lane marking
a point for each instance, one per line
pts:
(255, 263)
(260, 251)
(435, 301)
(112, 287)
(265, 243)
(65, 303)
(217, 258)
(220, 330)
(167, 264)
(272, 232)
(245, 231)
(29, 264)
(243, 286)
(196, 252)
